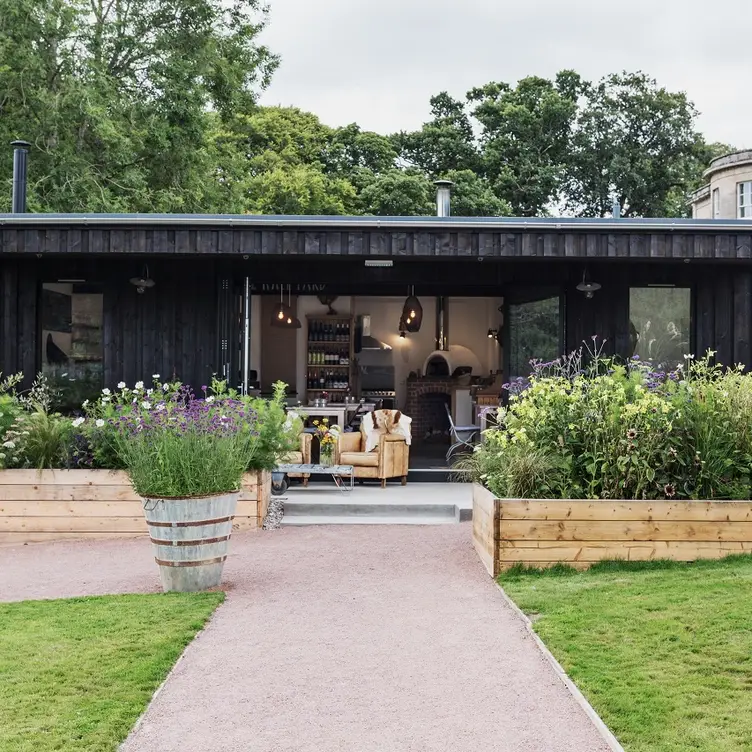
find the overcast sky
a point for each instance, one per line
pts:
(377, 62)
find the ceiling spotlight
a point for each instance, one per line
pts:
(379, 263)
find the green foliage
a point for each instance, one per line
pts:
(279, 431)
(116, 97)
(76, 674)
(661, 649)
(611, 431)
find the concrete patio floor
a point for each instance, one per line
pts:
(335, 638)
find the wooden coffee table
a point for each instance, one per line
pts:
(337, 472)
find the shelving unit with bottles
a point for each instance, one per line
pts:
(330, 356)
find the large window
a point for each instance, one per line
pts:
(534, 332)
(745, 200)
(659, 319)
(71, 318)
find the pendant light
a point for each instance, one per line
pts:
(412, 312)
(292, 321)
(588, 286)
(281, 313)
(143, 282)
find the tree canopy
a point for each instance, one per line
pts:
(151, 105)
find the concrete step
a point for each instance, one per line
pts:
(355, 508)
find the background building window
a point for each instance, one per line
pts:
(534, 331)
(745, 200)
(72, 352)
(659, 321)
(716, 203)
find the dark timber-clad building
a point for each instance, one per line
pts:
(60, 272)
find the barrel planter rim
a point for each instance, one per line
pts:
(190, 497)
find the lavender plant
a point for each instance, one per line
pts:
(182, 446)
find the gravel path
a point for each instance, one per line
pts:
(351, 639)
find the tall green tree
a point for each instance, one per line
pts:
(525, 136)
(636, 142)
(116, 97)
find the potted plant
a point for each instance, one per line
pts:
(185, 458)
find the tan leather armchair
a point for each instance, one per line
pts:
(389, 459)
(301, 457)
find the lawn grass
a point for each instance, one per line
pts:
(662, 650)
(76, 674)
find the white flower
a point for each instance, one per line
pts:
(99, 423)
(210, 399)
(165, 387)
(78, 421)
(160, 407)
(9, 445)
(105, 391)
(146, 405)
(149, 392)
(85, 402)
(121, 385)
(134, 400)
(139, 385)
(105, 399)
(155, 376)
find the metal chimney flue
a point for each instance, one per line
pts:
(443, 197)
(20, 152)
(616, 209)
(442, 323)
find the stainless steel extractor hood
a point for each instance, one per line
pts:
(368, 342)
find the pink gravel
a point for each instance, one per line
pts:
(363, 638)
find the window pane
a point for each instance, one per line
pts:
(534, 332)
(71, 316)
(659, 324)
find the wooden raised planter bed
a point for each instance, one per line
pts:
(54, 504)
(543, 532)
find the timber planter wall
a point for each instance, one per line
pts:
(543, 532)
(55, 504)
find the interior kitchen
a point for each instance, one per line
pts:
(436, 359)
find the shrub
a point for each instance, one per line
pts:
(621, 430)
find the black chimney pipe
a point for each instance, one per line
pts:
(20, 151)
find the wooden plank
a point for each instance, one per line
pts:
(486, 527)
(621, 530)
(102, 507)
(592, 551)
(683, 511)
(72, 524)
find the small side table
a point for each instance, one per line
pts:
(337, 472)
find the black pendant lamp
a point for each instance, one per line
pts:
(412, 313)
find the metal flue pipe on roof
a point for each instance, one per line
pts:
(20, 152)
(443, 197)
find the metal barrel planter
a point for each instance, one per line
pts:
(191, 538)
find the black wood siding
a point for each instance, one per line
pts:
(548, 243)
(170, 329)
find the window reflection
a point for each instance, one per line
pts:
(72, 352)
(659, 324)
(534, 333)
